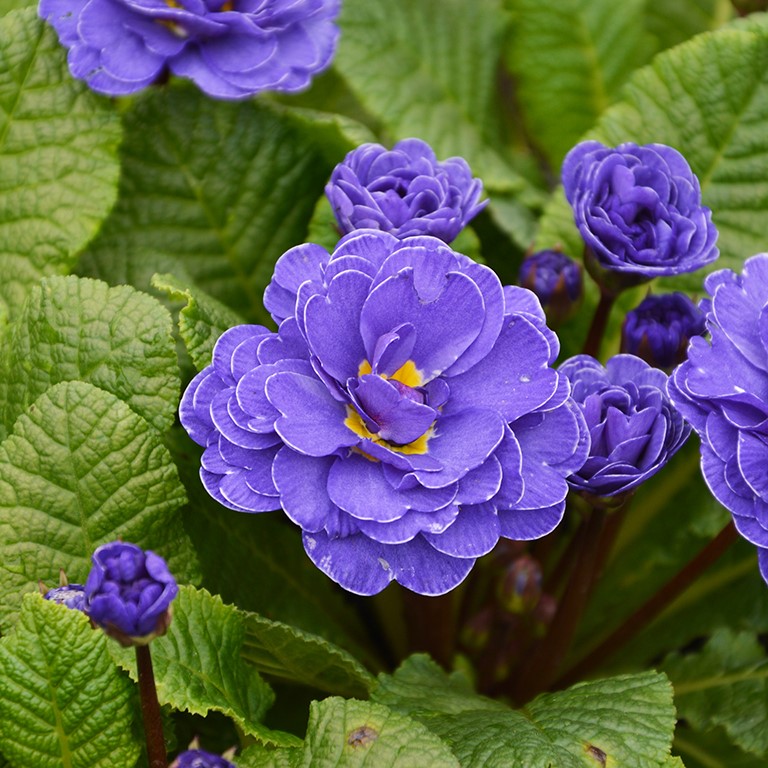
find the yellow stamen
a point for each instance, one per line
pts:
(357, 425)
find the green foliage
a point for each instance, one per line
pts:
(725, 684)
(570, 59)
(628, 720)
(215, 192)
(58, 158)
(63, 703)
(81, 468)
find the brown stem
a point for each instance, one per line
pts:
(652, 607)
(150, 710)
(431, 625)
(599, 323)
(543, 666)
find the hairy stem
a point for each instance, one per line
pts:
(431, 623)
(652, 607)
(150, 710)
(599, 323)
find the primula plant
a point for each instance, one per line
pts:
(383, 383)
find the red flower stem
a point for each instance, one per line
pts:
(652, 607)
(431, 625)
(599, 323)
(150, 710)
(543, 666)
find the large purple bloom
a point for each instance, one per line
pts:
(128, 592)
(230, 48)
(638, 209)
(633, 425)
(405, 191)
(722, 390)
(199, 758)
(405, 415)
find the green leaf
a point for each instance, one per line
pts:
(345, 733)
(291, 653)
(214, 191)
(429, 69)
(117, 339)
(58, 158)
(711, 750)
(719, 81)
(201, 321)
(259, 756)
(675, 21)
(63, 703)
(627, 720)
(81, 468)
(725, 684)
(198, 668)
(570, 60)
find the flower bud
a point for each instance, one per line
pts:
(520, 587)
(199, 758)
(71, 595)
(477, 630)
(659, 328)
(129, 592)
(556, 280)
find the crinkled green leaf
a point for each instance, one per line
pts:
(259, 756)
(675, 21)
(201, 321)
(291, 653)
(725, 684)
(420, 686)
(570, 60)
(81, 468)
(627, 720)
(63, 703)
(215, 191)
(719, 82)
(58, 158)
(258, 562)
(198, 667)
(117, 339)
(429, 70)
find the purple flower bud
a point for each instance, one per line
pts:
(199, 758)
(520, 587)
(722, 390)
(659, 328)
(556, 280)
(404, 191)
(121, 46)
(633, 425)
(128, 592)
(71, 595)
(639, 211)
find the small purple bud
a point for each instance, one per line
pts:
(520, 587)
(71, 595)
(556, 280)
(199, 758)
(129, 593)
(659, 328)
(477, 630)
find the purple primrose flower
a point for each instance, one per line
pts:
(634, 428)
(556, 280)
(659, 328)
(199, 758)
(71, 595)
(638, 209)
(722, 390)
(404, 191)
(128, 592)
(230, 48)
(405, 415)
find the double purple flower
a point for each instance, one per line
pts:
(405, 415)
(405, 191)
(722, 390)
(633, 425)
(638, 209)
(230, 48)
